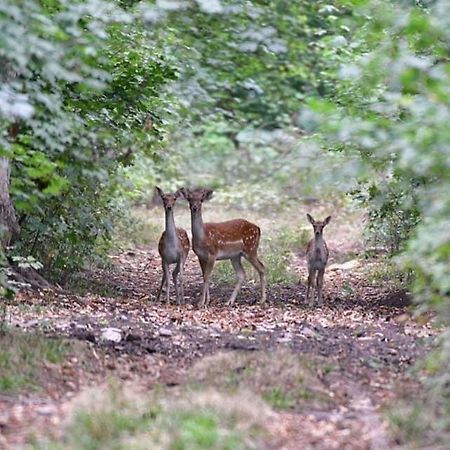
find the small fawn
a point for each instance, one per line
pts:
(317, 258)
(173, 248)
(231, 240)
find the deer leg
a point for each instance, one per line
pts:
(211, 263)
(182, 280)
(240, 273)
(259, 266)
(167, 278)
(311, 287)
(208, 295)
(207, 268)
(163, 282)
(175, 273)
(320, 275)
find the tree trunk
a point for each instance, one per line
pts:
(11, 229)
(8, 221)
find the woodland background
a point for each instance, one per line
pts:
(267, 102)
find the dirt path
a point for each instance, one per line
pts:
(364, 336)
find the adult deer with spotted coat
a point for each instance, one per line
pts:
(317, 258)
(173, 247)
(231, 240)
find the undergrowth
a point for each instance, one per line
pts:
(116, 417)
(22, 356)
(424, 421)
(386, 270)
(225, 403)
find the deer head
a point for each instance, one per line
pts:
(318, 226)
(168, 200)
(196, 197)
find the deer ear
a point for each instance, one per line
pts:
(207, 194)
(327, 220)
(159, 191)
(183, 192)
(179, 193)
(311, 220)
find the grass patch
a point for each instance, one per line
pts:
(203, 431)
(224, 273)
(421, 417)
(278, 398)
(284, 380)
(277, 264)
(22, 356)
(141, 227)
(278, 251)
(116, 417)
(384, 270)
(407, 425)
(294, 239)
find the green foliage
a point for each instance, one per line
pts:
(80, 99)
(386, 270)
(397, 122)
(424, 422)
(202, 431)
(393, 212)
(392, 111)
(70, 232)
(137, 229)
(279, 399)
(224, 273)
(277, 251)
(94, 431)
(244, 70)
(253, 62)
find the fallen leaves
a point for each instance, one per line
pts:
(366, 334)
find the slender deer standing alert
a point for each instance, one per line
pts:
(317, 258)
(173, 248)
(231, 240)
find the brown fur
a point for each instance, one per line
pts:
(317, 257)
(173, 248)
(231, 240)
(182, 236)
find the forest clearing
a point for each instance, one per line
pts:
(325, 377)
(224, 224)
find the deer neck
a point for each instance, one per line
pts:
(318, 241)
(197, 226)
(171, 230)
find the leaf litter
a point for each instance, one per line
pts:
(362, 343)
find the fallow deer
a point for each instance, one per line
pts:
(231, 240)
(173, 248)
(317, 258)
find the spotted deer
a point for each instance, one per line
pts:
(173, 248)
(231, 240)
(317, 258)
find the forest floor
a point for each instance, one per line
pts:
(279, 376)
